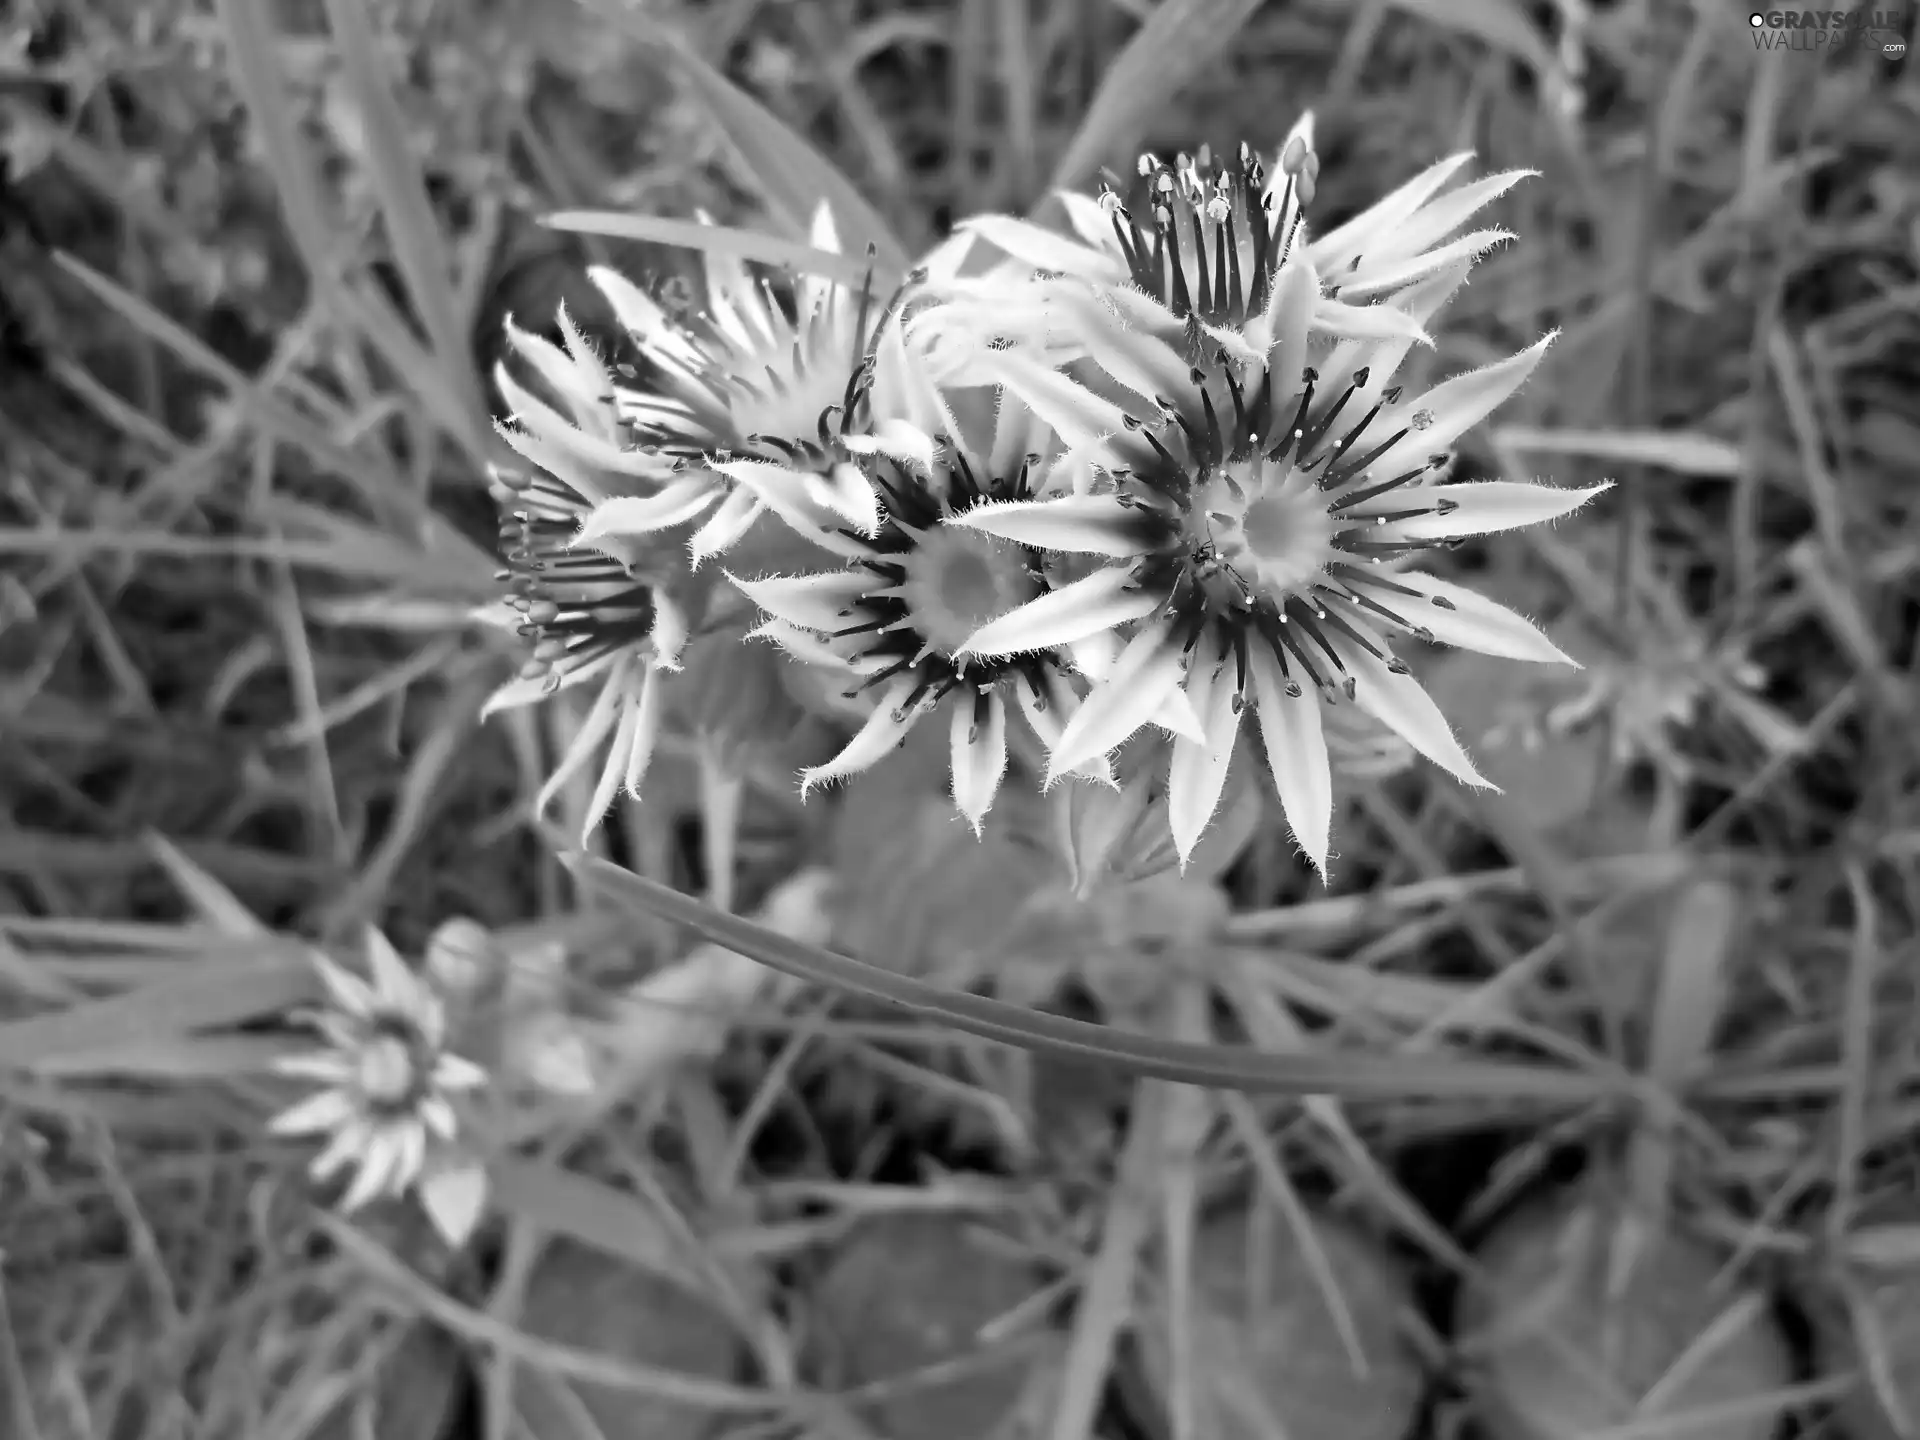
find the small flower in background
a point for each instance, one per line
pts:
(1253, 525)
(387, 1104)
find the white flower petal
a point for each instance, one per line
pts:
(631, 516)
(379, 1162)
(455, 1197)
(523, 691)
(1076, 414)
(1399, 703)
(785, 492)
(328, 1110)
(1484, 507)
(1456, 615)
(846, 492)
(393, 982)
(1455, 407)
(811, 602)
(1043, 249)
(1338, 248)
(1375, 279)
(348, 1144)
(601, 722)
(1296, 748)
(979, 756)
(323, 1067)
(1197, 772)
(1078, 524)
(878, 738)
(1133, 692)
(1088, 606)
(1289, 316)
(453, 1073)
(646, 733)
(350, 993)
(724, 528)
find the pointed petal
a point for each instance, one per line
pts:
(1042, 249)
(884, 731)
(328, 1110)
(347, 990)
(347, 1145)
(724, 528)
(1133, 691)
(1197, 772)
(1079, 524)
(1335, 250)
(613, 770)
(393, 982)
(1296, 748)
(631, 516)
(455, 1197)
(1367, 322)
(812, 602)
(323, 1067)
(453, 1072)
(378, 1165)
(846, 492)
(601, 721)
(1399, 703)
(1456, 615)
(1455, 407)
(1088, 606)
(1076, 414)
(646, 733)
(1091, 223)
(1289, 316)
(979, 756)
(784, 491)
(1484, 507)
(520, 692)
(1375, 279)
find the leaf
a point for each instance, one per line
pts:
(794, 178)
(1276, 1360)
(1561, 1342)
(1231, 1067)
(590, 1213)
(203, 996)
(414, 1396)
(1178, 41)
(908, 1292)
(577, 1298)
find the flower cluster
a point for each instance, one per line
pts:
(1153, 472)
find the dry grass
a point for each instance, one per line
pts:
(252, 280)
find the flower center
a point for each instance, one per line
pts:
(958, 580)
(1275, 532)
(386, 1073)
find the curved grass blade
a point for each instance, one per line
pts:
(1221, 1066)
(794, 178)
(742, 244)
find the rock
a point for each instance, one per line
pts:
(1269, 1356)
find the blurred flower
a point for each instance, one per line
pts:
(389, 1083)
(896, 619)
(1252, 524)
(1202, 244)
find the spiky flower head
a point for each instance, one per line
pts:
(895, 615)
(1197, 245)
(388, 1082)
(1252, 530)
(611, 616)
(746, 409)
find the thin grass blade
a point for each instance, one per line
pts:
(721, 239)
(1227, 1067)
